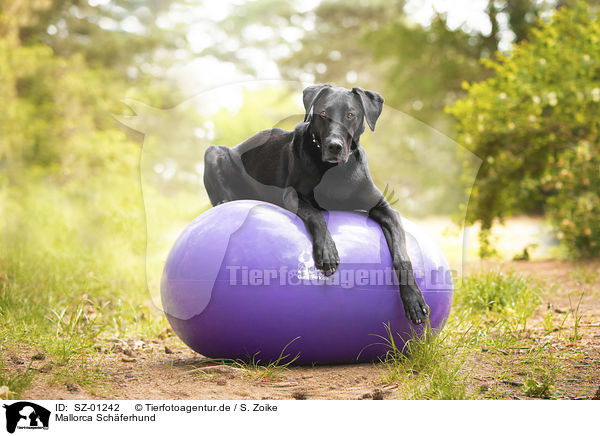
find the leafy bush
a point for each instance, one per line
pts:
(535, 124)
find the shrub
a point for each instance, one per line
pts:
(535, 123)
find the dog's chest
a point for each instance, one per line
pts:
(339, 188)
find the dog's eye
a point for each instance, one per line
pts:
(349, 115)
(323, 114)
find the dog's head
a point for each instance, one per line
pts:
(336, 118)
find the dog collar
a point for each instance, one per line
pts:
(314, 139)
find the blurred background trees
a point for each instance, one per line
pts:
(69, 172)
(419, 67)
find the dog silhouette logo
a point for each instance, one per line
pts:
(26, 415)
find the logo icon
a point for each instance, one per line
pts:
(26, 415)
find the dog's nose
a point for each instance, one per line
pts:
(334, 147)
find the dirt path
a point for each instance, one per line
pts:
(164, 368)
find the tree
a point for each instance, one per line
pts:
(424, 67)
(535, 122)
(64, 65)
(116, 35)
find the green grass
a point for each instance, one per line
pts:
(71, 272)
(583, 275)
(256, 368)
(549, 326)
(15, 380)
(508, 296)
(427, 366)
(575, 333)
(540, 384)
(252, 365)
(541, 370)
(488, 324)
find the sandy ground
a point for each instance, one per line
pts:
(164, 368)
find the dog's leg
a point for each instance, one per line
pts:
(415, 307)
(324, 249)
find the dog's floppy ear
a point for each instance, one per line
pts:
(309, 96)
(372, 104)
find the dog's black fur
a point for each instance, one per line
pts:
(319, 166)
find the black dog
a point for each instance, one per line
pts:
(318, 166)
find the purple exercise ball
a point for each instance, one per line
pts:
(240, 283)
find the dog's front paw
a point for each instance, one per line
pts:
(415, 308)
(326, 256)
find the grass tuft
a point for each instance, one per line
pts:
(584, 276)
(256, 368)
(575, 334)
(427, 366)
(15, 380)
(509, 296)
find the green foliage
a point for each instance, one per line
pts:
(57, 247)
(375, 44)
(535, 122)
(105, 34)
(57, 118)
(333, 50)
